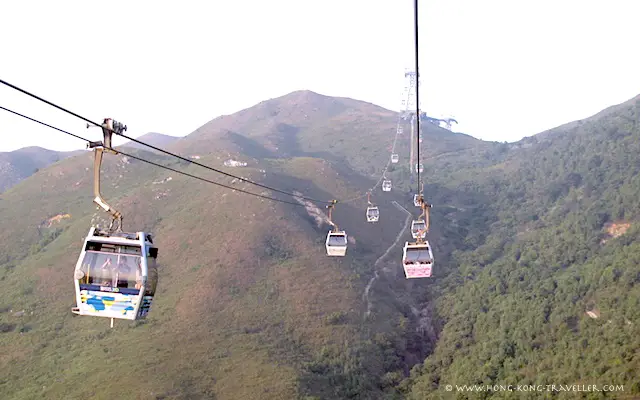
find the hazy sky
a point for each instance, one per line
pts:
(504, 68)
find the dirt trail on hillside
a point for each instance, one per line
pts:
(365, 295)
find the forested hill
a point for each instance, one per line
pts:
(552, 293)
(535, 277)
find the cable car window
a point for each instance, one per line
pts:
(418, 255)
(152, 278)
(337, 241)
(113, 248)
(102, 269)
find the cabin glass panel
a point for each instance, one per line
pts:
(418, 227)
(112, 270)
(421, 255)
(337, 241)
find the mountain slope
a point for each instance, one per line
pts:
(19, 164)
(154, 139)
(245, 284)
(551, 294)
(250, 307)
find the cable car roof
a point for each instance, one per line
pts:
(124, 238)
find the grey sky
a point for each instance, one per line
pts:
(504, 68)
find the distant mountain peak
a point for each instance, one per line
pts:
(153, 138)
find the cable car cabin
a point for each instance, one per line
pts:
(416, 227)
(399, 131)
(416, 200)
(373, 214)
(386, 185)
(337, 243)
(116, 275)
(420, 139)
(417, 260)
(419, 168)
(394, 158)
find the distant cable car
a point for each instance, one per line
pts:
(399, 130)
(418, 229)
(116, 275)
(419, 168)
(394, 158)
(416, 200)
(417, 257)
(386, 185)
(417, 260)
(336, 243)
(373, 214)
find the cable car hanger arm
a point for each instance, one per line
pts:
(99, 148)
(330, 207)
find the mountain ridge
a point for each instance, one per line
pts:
(153, 138)
(18, 164)
(260, 310)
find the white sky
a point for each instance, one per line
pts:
(504, 68)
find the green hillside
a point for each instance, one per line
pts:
(250, 307)
(552, 294)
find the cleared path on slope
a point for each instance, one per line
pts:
(365, 295)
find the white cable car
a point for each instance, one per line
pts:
(420, 138)
(386, 185)
(336, 243)
(419, 168)
(116, 275)
(418, 229)
(399, 131)
(416, 200)
(417, 260)
(395, 158)
(373, 214)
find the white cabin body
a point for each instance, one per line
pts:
(373, 214)
(116, 275)
(418, 229)
(336, 244)
(417, 260)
